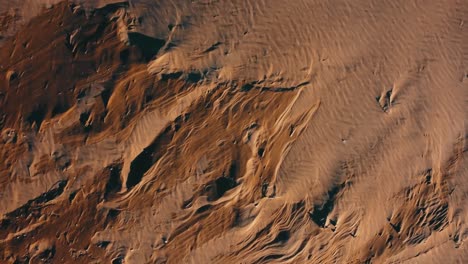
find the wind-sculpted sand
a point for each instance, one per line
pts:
(236, 131)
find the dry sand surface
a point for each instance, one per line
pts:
(240, 131)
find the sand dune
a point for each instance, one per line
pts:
(233, 131)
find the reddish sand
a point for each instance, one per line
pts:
(243, 131)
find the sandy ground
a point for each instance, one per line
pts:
(240, 131)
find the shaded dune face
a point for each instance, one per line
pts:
(258, 132)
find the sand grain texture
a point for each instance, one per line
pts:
(233, 131)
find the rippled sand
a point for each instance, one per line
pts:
(243, 131)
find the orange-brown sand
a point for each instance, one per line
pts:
(243, 131)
